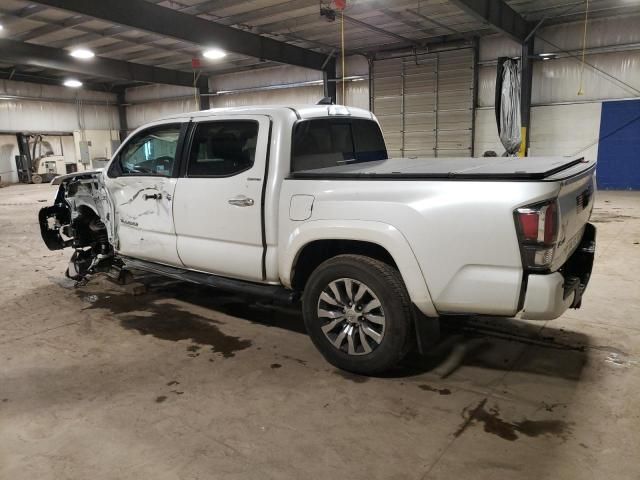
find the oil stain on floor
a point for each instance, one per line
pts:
(509, 430)
(167, 321)
(429, 388)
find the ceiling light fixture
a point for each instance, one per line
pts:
(72, 83)
(1, 27)
(82, 53)
(214, 53)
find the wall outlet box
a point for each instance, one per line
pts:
(84, 152)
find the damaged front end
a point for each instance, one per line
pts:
(80, 218)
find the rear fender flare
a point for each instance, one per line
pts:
(382, 234)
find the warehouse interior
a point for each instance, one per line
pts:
(203, 384)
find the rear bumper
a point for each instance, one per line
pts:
(549, 296)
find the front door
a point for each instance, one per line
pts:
(218, 213)
(141, 182)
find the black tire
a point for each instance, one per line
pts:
(386, 283)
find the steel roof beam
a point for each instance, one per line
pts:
(232, 20)
(499, 15)
(180, 50)
(40, 79)
(146, 16)
(49, 28)
(19, 53)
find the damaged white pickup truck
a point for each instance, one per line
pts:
(302, 202)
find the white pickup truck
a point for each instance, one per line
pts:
(302, 202)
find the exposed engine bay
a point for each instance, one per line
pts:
(81, 218)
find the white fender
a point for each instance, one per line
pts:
(382, 234)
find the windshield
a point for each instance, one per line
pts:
(328, 142)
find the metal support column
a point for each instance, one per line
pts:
(203, 93)
(122, 115)
(329, 80)
(526, 79)
(402, 108)
(371, 84)
(474, 103)
(436, 100)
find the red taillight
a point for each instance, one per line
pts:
(529, 225)
(538, 231)
(538, 223)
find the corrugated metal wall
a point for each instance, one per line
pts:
(285, 96)
(156, 102)
(558, 80)
(356, 92)
(152, 102)
(36, 112)
(563, 122)
(8, 151)
(425, 103)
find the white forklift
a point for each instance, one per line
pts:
(37, 161)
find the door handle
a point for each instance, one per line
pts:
(241, 202)
(153, 196)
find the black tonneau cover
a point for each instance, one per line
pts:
(490, 168)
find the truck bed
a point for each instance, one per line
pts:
(490, 168)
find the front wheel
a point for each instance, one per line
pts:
(358, 313)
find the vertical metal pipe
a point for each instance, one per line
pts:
(526, 79)
(436, 102)
(122, 115)
(402, 107)
(329, 80)
(474, 105)
(371, 84)
(203, 93)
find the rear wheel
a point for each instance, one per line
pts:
(358, 313)
(35, 178)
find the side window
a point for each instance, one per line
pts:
(223, 148)
(151, 152)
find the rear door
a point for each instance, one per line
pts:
(141, 182)
(217, 211)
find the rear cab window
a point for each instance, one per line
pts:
(328, 142)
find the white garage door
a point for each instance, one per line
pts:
(425, 103)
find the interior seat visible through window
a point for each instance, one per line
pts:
(222, 148)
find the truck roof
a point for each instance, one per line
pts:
(301, 111)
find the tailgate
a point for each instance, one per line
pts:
(575, 202)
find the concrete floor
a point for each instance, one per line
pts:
(186, 382)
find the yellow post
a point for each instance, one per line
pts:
(523, 144)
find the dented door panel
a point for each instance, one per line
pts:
(144, 217)
(141, 183)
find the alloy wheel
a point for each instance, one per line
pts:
(352, 316)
